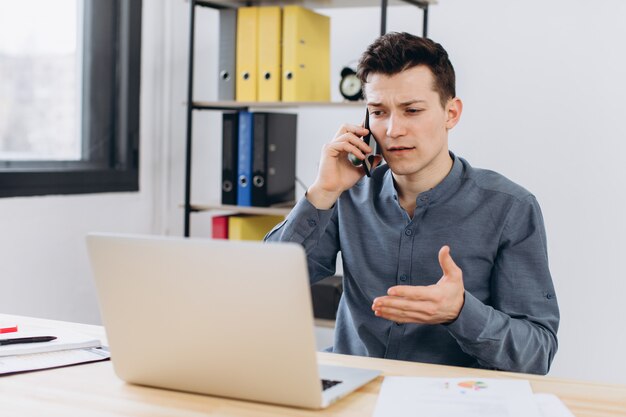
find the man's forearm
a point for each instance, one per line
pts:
(499, 341)
(316, 232)
(300, 226)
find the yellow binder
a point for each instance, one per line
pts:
(246, 58)
(251, 227)
(269, 53)
(306, 55)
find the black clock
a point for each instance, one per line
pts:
(350, 86)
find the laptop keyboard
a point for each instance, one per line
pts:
(327, 383)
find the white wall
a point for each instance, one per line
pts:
(543, 86)
(44, 270)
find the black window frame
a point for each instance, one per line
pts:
(110, 111)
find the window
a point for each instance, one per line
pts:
(69, 96)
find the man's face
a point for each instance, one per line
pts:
(408, 121)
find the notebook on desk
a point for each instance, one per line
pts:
(224, 318)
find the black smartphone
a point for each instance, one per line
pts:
(369, 158)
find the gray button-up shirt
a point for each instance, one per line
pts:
(496, 236)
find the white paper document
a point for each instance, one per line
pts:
(453, 397)
(551, 406)
(69, 348)
(46, 360)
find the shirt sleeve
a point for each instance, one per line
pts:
(517, 331)
(316, 230)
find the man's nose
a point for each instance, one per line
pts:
(395, 126)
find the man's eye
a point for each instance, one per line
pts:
(376, 112)
(414, 111)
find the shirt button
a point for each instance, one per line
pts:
(403, 277)
(408, 232)
(312, 222)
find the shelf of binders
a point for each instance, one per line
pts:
(302, 87)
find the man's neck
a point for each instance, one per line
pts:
(410, 186)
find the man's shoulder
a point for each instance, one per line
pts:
(493, 182)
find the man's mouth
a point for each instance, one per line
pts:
(400, 148)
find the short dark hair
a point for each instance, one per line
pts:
(395, 52)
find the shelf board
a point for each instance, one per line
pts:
(238, 105)
(281, 210)
(314, 3)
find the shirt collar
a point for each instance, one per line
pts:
(387, 186)
(445, 188)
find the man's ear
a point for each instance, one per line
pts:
(454, 108)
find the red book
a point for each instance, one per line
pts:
(220, 227)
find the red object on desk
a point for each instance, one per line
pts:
(8, 329)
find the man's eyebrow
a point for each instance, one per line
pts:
(408, 103)
(404, 103)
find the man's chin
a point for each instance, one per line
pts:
(402, 169)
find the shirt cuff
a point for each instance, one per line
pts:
(472, 320)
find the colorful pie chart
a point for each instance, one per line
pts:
(473, 385)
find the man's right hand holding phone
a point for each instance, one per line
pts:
(336, 173)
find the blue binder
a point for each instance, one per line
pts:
(244, 165)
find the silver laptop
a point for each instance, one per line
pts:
(224, 318)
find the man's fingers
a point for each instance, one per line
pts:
(417, 292)
(401, 315)
(405, 307)
(353, 139)
(394, 303)
(347, 147)
(358, 131)
(353, 134)
(448, 266)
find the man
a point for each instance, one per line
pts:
(443, 263)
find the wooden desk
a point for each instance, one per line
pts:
(93, 390)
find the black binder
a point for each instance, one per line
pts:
(274, 159)
(230, 140)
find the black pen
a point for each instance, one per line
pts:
(35, 339)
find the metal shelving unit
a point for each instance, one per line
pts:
(221, 105)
